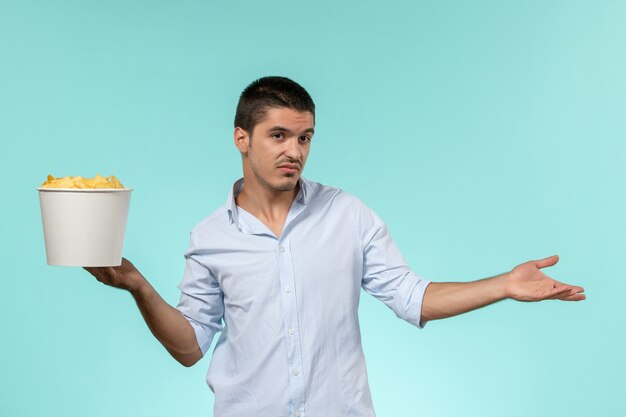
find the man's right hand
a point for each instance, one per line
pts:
(125, 276)
(166, 323)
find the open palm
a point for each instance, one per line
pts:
(528, 283)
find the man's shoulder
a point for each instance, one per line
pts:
(219, 218)
(317, 189)
(324, 194)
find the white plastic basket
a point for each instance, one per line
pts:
(84, 227)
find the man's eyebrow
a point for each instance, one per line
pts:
(284, 129)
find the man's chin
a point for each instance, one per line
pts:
(287, 184)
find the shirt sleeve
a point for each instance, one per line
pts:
(201, 298)
(386, 275)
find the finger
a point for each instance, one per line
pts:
(127, 265)
(574, 287)
(94, 271)
(546, 262)
(568, 293)
(558, 292)
(576, 290)
(100, 273)
(573, 297)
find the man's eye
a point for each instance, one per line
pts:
(305, 139)
(277, 135)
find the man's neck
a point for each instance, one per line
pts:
(268, 205)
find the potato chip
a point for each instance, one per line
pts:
(96, 182)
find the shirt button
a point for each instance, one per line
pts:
(291, 331)
(296, 372)
(287, 289)
(281, 248)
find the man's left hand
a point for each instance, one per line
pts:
(526, 282)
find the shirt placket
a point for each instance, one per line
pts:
(291, 326)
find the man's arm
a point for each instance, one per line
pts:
(526, 282)
(166, 323)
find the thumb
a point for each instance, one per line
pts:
(545, 262)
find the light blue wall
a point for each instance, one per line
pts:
(485, 133)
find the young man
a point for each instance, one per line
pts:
(279, 270)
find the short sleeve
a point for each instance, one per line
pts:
(201, 299)
(386, 275)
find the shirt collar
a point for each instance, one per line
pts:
(302, 197)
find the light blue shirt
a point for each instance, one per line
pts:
(287, 307)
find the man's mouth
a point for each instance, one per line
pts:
(289, 168)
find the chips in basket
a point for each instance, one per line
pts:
(79, 182)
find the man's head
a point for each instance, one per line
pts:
(270, 92)
(274, 125)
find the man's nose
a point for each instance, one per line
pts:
(293, 150)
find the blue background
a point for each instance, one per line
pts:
(485, 133)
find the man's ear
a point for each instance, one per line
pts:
(242, 140)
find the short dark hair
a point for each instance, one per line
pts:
(270, 92)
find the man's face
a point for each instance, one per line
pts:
(277, 148)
